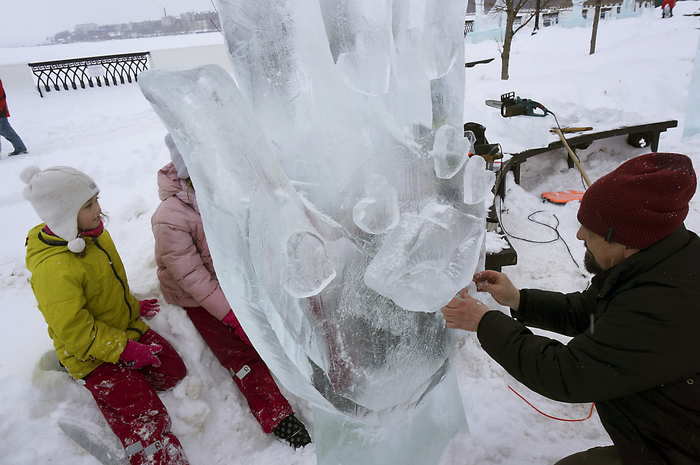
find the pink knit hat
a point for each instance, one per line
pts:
(642, 201)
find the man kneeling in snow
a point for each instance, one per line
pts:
(635, 350)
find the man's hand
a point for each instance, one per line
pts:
(499, 286)
(464, 313)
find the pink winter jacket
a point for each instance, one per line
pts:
(185, 268)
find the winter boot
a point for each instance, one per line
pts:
(293, 432)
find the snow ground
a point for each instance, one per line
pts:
(640, 72)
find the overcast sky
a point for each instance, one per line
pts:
(30, 22)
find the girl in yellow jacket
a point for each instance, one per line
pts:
(94, 321)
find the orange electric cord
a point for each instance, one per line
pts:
(549, 416)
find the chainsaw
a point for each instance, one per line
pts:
(511, 105)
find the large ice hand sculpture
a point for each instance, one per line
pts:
(331, 186)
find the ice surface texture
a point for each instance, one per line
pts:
(379, 211)
(333, 237)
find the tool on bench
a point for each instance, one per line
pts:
(574, 158)
(587, 128)
(490, 152)
(511, 105)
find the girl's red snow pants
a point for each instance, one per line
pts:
(128, 400)
(265, 400)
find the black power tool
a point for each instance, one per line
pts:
(511, 105)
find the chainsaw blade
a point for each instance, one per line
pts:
(494, 103)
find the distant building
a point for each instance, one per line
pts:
(187, 17)
(186, 23)
(85, 28)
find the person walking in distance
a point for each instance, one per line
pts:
(6, 130)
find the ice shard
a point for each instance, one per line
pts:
(379, 211)
(333, 238)
(428, 258)
(309, 271)
(478, 181)
(451, 150)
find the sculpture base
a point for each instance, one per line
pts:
(418, 439)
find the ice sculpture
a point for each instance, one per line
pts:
(489, 25)
(628, 6)
(576, 18)
(346, 242)
(629, 10)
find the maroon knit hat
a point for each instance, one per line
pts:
(642, 201)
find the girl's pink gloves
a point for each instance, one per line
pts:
(149, 308)
(137, 355)
(231, 320)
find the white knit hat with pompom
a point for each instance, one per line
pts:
(57, 195)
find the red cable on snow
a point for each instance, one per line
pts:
(549, 416)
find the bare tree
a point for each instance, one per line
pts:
(512, 9)
(594, 34)
(537, 18)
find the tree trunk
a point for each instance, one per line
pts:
(537, 18)
(594, 34)
(507, 39)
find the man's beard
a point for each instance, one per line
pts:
(591, 265)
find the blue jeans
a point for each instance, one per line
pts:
(8, 133)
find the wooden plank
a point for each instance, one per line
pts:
(471, 64)
(585, 139)
(513, 164)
